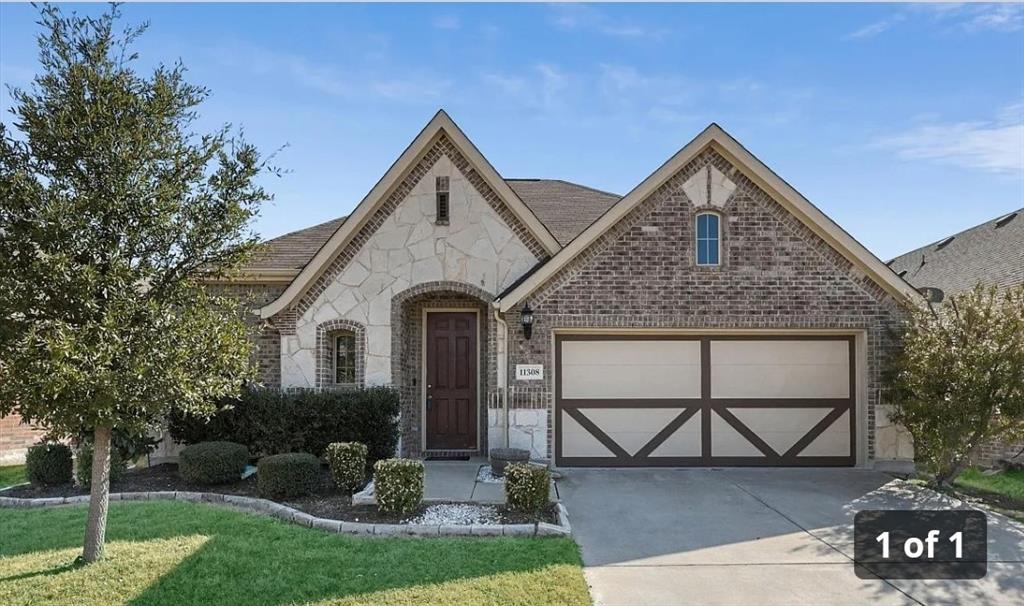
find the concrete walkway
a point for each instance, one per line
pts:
(758, 536)
(456, 481)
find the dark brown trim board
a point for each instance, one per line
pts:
(707, 407)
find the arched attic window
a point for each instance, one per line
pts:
(709, 238)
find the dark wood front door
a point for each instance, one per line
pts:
(451, 385)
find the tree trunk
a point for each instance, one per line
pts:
(99, 499)
(944, 478)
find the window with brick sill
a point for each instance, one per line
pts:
(441, 187)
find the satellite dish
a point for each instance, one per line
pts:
(932, 295)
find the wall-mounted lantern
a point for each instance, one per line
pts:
(526, 319)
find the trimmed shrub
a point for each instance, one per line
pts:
(347, 461)
(398, 485)
(527, 487)
(213, 462)
(269, 421)
(48, 464)
(292, 474)
(83, 465)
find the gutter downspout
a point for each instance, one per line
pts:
(502, 355)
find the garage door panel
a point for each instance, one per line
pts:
(770, 401)
(631, 428)
(684, 442)
(579, 442)
(630, 369)
(833, 442)
(780, 428)
(780, 369)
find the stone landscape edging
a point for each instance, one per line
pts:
(301, 518)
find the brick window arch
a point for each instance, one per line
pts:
(351, 364)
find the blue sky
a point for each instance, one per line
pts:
(902, 122)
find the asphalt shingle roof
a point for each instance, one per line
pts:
(984, 253)
(566, 209)
(293, 250)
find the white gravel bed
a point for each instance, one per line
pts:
(457, 514)
(486, 476)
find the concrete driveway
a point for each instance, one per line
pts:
(757, 536)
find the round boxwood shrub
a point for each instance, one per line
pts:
(83, 465)
(213, 462)
(527, 487)
(347, 461)
(48, 464)
(292, 474)
(398, 485)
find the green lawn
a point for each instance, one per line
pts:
(11, 475)
(183, 553)
(1005, 483)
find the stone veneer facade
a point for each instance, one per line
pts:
(775, 273)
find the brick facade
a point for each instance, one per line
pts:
(775, 274)
(15, 438)
(267, 336)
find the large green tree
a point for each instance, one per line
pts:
(958, 380)
(113, 211)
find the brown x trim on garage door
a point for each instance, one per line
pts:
(576, 408)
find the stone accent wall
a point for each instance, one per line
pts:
(775, 274)
(408, 310)
(483, 245)
(15, 438)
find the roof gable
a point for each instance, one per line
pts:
(730, 149)
(441, 126)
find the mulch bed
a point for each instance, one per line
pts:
(326, 502)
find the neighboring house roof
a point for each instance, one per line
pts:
(715, 137)
(440, 124)
(992, 253)
(565, 208)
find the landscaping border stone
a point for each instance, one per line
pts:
(301, 518)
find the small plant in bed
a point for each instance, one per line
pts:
(292, 474)
(347, 461)
(209, 463)
(398, 485)
(48, 464)
(527, 487)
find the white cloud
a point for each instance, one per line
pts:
(544, 86)
(969, 18)
(995, 145)
(449, 22)
(408, 86)
(587, 18)
(873, 29)
(998, 17)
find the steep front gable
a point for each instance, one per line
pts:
(402, 244)
(712, 189)
(440, 137)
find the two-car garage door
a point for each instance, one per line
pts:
(659, 400)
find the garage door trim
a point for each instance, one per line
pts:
(705, 405)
